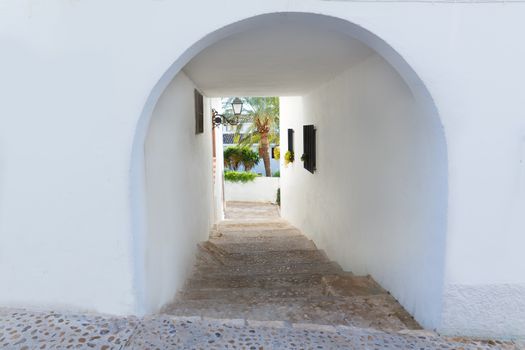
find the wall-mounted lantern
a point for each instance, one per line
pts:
(219, 119)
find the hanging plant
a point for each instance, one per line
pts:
(276, 153)
(288, 157)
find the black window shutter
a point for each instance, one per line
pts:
(199, 113)
(309, 147)
(290, 140)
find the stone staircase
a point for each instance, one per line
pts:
(257, 266)
(258, 284)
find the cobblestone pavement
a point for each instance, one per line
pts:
(258, 284)
(24, 330)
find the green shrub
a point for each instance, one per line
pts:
(235, 156)
(277, 173)
(232, 157)
(249, 158)
(239, 176)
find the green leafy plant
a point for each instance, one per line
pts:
(235, 156)
(232, 157)
(288, 157)
(261, 115)
(277, 173)
(277, 153)
(239, 176)
(249, 158)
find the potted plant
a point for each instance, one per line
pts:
(277, 153)
(288, 157)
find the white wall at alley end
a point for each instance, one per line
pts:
(261, 189)
(80, 82)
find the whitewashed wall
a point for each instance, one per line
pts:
(261, 189)
(77, 100)
(218, 188)
(377, 202)
(177, 161)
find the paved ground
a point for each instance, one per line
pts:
(258, 284)
(48, 330)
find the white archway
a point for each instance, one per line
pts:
(138, 190)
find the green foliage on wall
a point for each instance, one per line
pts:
(289, 157)
(239, 176)
(277, 153)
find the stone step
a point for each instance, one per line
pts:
(348, 285)
(253, 214)
(250, 228)
(261, 232)
(207, 255)
(341, 285)
(264, 257)
(209, 252)
(254, 224)
(263, 244)
(276, 258)
(377, 311)
(251, 270)
(234, 295)
(257, 281)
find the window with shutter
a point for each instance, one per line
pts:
(309, 147)
(290, 140)
(199, 112)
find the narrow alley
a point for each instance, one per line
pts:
(257, 266)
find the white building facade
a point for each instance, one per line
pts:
(96, 113)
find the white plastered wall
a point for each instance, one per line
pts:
(377, 202)
(76, 103)
(218, 183)
(178, 189)
(261, 189)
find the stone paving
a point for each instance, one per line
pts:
(258, 284)
(24, 330)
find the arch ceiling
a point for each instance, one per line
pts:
(286, 56)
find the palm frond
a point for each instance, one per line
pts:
(262, 113)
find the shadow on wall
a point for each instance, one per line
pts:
(377, 201)
(179, 191)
